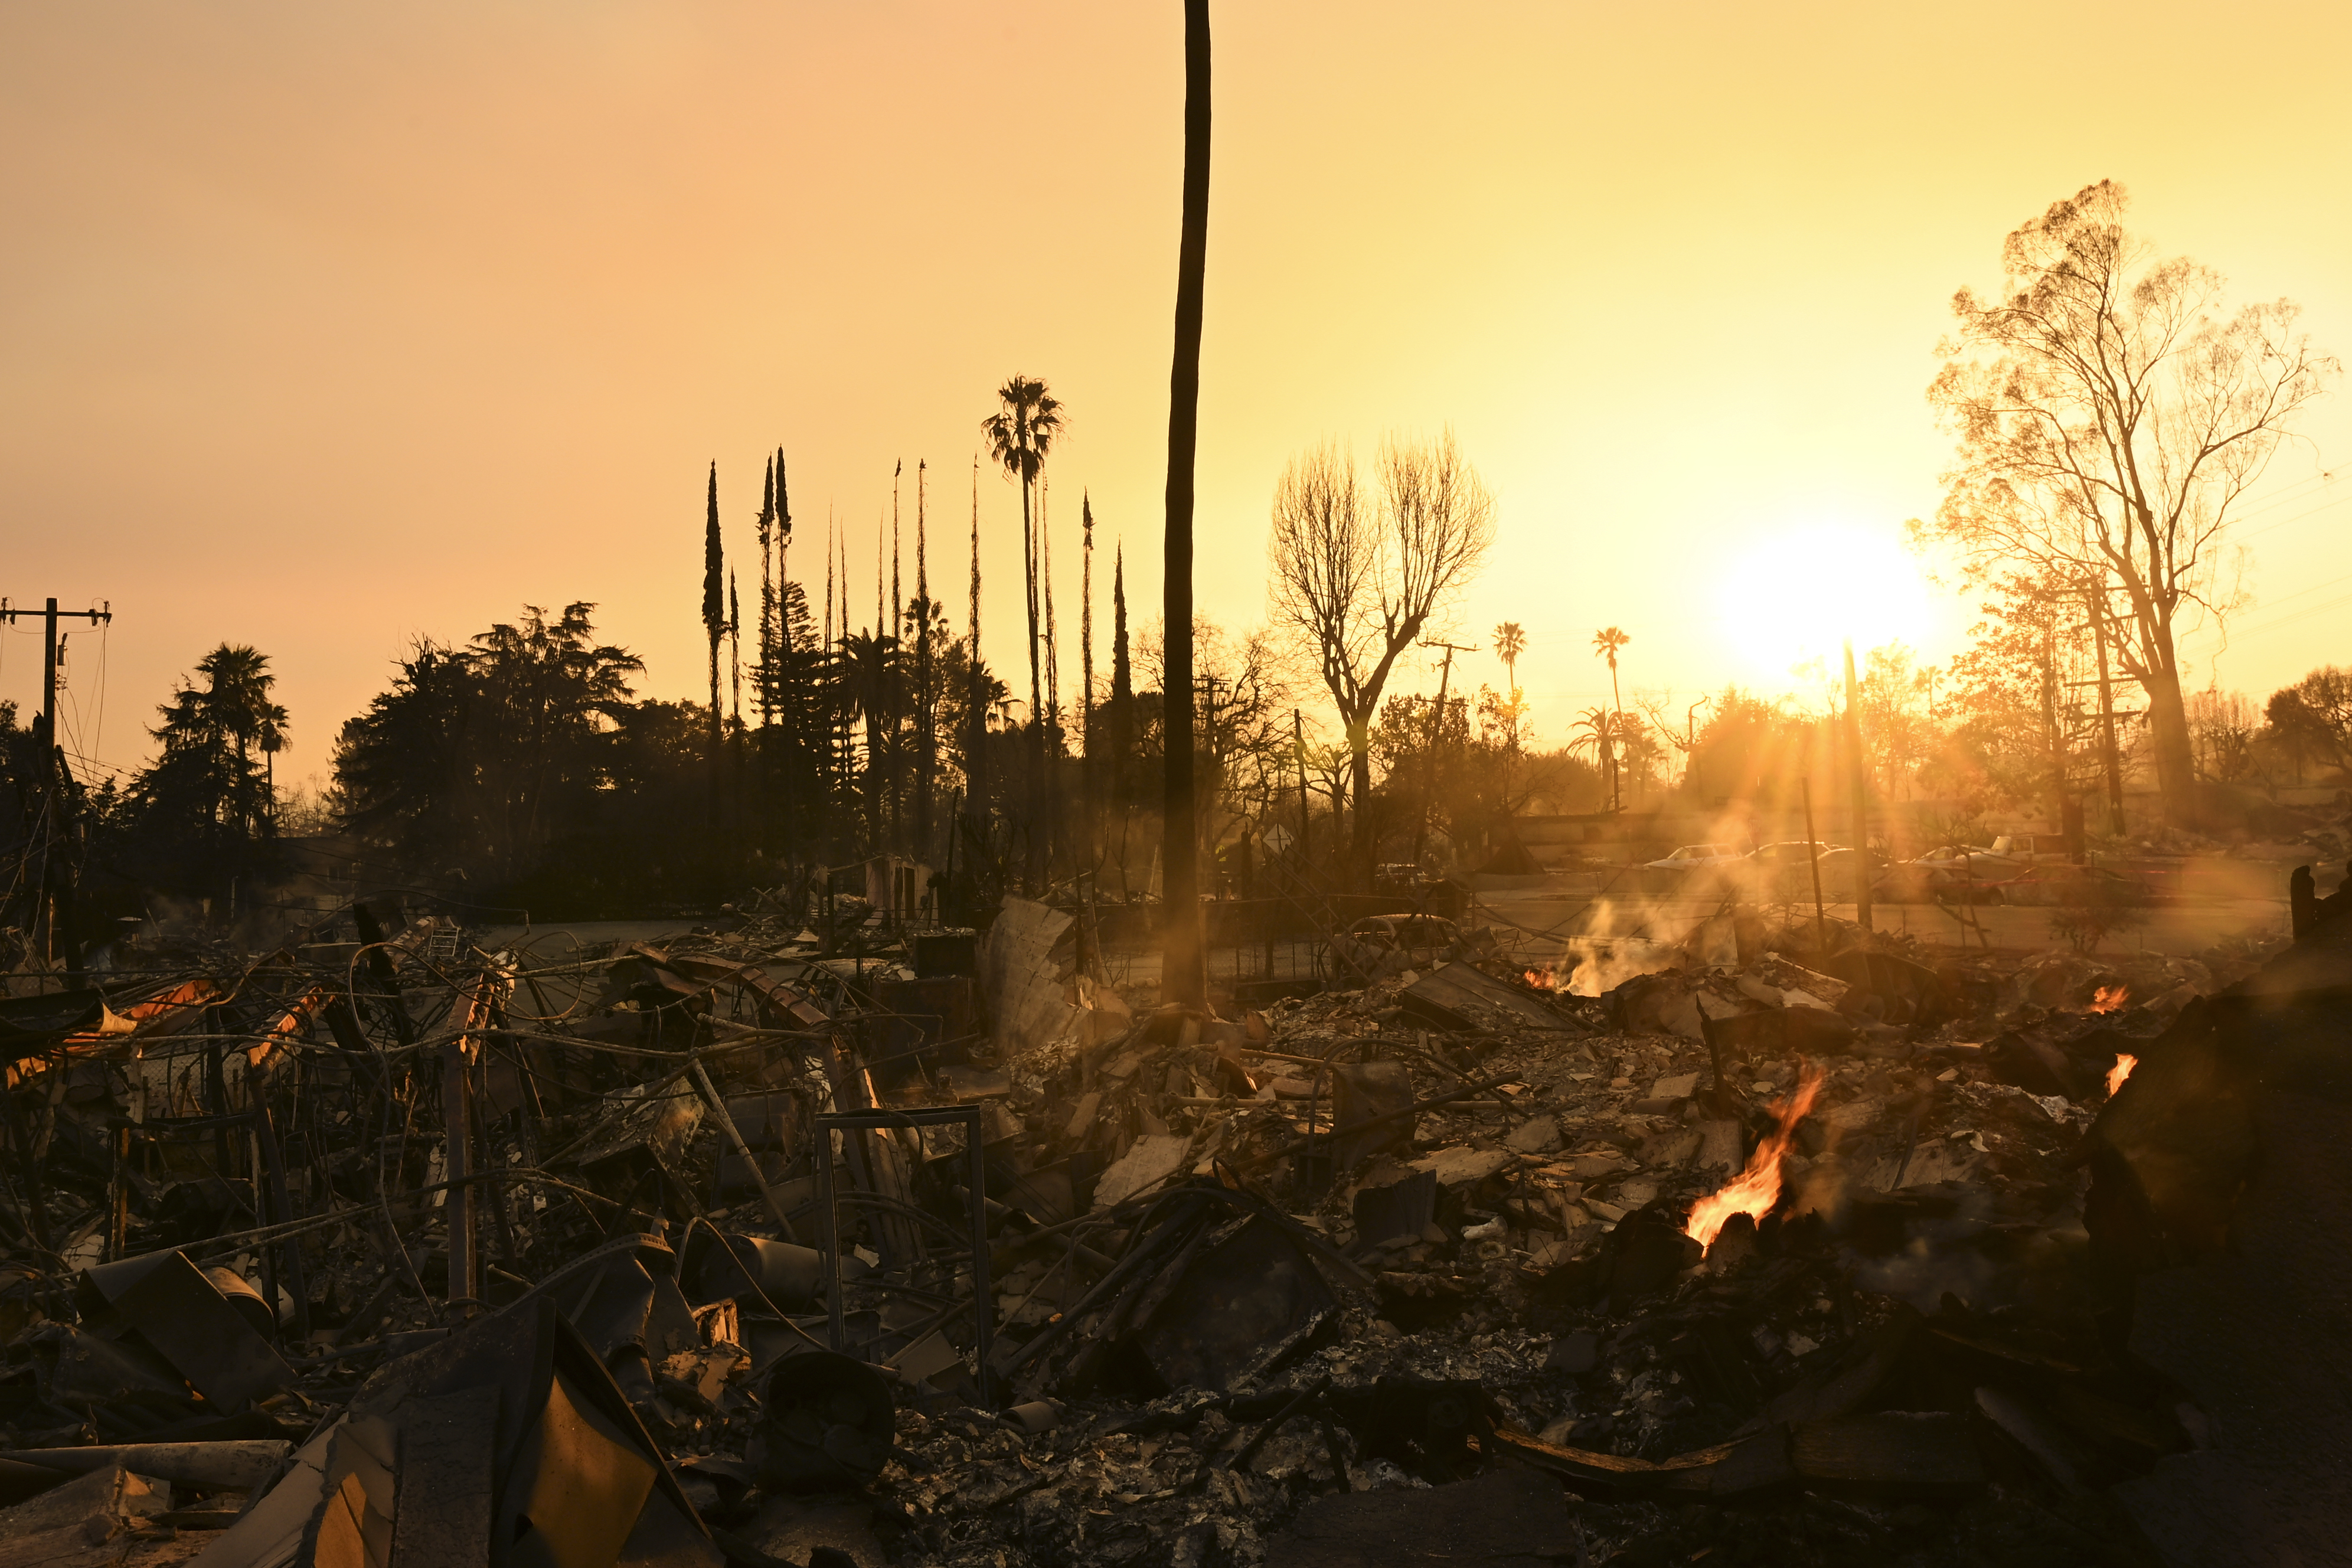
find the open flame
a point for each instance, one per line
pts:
(2125, 1062)
(2110, 998)
(1756, 1189)
(1545, 978)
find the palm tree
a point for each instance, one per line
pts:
(236, 705)
(1020, 434)
(1510, 641)
(1606, 642)
(1595, 735)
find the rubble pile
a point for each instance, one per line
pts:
(808, 1240)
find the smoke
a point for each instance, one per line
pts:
(1619, 943)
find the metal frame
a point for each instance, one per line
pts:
(969, 1116)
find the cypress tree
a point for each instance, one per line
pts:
(1122, 684)
(1090, 809)
(714, 622)
(976, 755)
(927, 738)
(765, 661)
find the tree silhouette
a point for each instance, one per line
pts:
(714, 623)
(1510, 641)
(2111, 421)
(1606, 642)
(1355, 587)
(1020, 433)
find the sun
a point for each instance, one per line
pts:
(1797, 594)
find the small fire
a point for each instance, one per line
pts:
(1758, 1188)
(2125, 1062)
(1544, 979)
(2110, 998)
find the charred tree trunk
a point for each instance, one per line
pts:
(1182, 976)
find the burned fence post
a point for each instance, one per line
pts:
(288, 1252)
(469, 1015)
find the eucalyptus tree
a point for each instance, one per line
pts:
(2111, 424)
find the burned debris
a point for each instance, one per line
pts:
(755, 1246)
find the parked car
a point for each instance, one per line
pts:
(1792, 852)
(1949, 874)
(1696, 857)
(1967, 859)
(2069, 884)
(2033, 848)
(1379, 946)
(1840, 865)
(1782, 873)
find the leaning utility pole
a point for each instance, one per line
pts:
(1861, 794)
(1182, 975)
(53, 885)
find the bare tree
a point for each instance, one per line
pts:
(1356, 586)
(2109, 420)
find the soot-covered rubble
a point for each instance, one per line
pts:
(1788, 1248)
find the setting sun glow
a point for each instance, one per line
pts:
(1793, 595)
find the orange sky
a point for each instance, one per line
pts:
(325, 326)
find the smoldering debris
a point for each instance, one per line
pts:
(807, 1241)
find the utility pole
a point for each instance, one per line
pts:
(1305, 810)
(53, 898)
(1861, 794)
(2107, 718)
(1813, 854)
(1436, 729)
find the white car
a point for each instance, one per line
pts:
(1967, 859)
(1792, 852)
(2033, 848)
(1698, 856)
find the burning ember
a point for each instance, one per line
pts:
(2125, 1062)
(2111, 999)
(1544, 979)
(1758, 1188)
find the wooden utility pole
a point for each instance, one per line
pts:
(1436, 729)
(1814, 855)
(54, 884)
(1182, 977)
(1860, 793)
(2107, 719)
(1306, 809)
